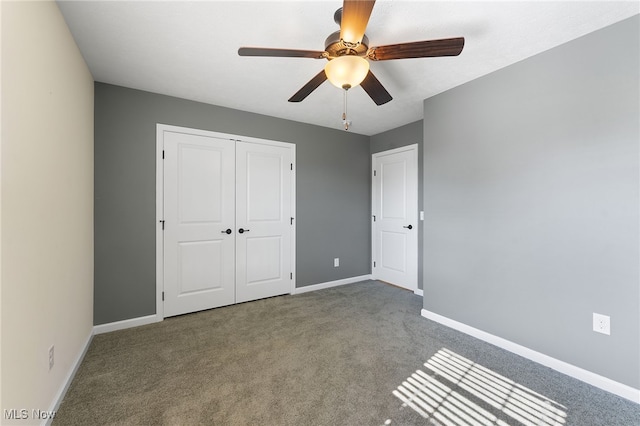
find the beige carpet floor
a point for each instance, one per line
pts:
(358, 354)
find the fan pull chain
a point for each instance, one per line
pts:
(346, 122)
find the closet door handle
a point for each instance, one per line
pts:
(228, 231)
(408, 227)
(243, 230)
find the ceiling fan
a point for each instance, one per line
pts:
(348, 53)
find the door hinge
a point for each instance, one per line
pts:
(290, 275)
(374, 217)
(162, 222)
(163, 296)
(163, 154)
(291, 221)
(291, 166)
(374, 264)
(374, 172)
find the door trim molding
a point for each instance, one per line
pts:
(374, 156)
(160, 129)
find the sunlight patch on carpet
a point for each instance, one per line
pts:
(430, 393)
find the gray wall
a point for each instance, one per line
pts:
(408, 134)
(333, 193)
(401, 136)
(531, 197)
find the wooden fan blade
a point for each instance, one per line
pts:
(375, 90)
(309, 87)
(355, 17)
(418, 49)
(281, 53)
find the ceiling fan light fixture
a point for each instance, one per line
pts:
(346, 71)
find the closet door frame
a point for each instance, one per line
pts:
(160, 129)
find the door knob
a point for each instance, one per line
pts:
(408, 227)
(242, 230)
(228, 231)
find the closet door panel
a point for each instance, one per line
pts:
(199, 198)
(263, 214)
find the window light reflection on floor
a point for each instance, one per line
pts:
(429, 394)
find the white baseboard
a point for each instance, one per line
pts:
(586, 376)
(330, 284)
(419, 292)
(129, 323)
(98, 329)
(67, 381)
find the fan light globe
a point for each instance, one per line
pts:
(346, 71)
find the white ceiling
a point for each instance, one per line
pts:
(189, 49)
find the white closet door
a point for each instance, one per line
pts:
(395, 205)
(263, 221)
(199, 207)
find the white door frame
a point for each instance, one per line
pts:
(160, 129)
(414, 149)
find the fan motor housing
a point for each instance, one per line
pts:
(335, 46)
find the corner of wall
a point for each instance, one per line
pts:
(46, 210)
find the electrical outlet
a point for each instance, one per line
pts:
(336, 262)
(601, 324)
(51, 359)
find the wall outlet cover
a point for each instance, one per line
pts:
(601, 324)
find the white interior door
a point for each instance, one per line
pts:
(199, 208)
(264, 221)
(395, 224)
